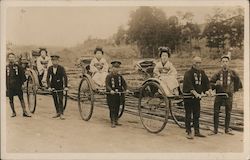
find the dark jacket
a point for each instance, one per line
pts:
(57, 80)
(195, 80)
(15, 77)
(115, 83)
(229, 79)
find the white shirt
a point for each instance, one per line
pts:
(54, 70)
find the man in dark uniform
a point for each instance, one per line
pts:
(195, 83)
(114, 83)
(227, 81)
(56, 79)
(15, 77)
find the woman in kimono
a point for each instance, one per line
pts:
(99, 68)
(166, 72)
(43, 63)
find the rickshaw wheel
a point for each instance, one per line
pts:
(153, 107)
(177, 114)
(122, 106)
(31, 91)
(65, 98)
(85, 99)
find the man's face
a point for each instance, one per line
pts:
(225, 63)
(54, 61)
(98, 55)
(115, 70)
(11, 58)
(197, 65)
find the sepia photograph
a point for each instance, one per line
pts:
(125, 79)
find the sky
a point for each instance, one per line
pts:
(69, 26)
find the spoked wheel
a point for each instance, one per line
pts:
(177, 113)
(65, 98)
(31, 93)
(85, 99)
(153, 107)
(122, 105)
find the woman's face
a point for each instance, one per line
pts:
(164, 57)
(43, 54)
(98, 55)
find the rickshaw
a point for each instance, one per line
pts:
(153, 104)
(32, 86)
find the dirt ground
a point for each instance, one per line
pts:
(43, 134)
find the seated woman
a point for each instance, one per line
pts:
(43, 63)
(166, 72)
(99, 68)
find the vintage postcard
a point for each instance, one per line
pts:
(124, 79)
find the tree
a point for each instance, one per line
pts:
(236, 31)
(220, 28)
(145, 28)
(121, 36)
(216, 30)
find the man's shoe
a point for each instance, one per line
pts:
(213, 133)
(112, 125)
(13, 114)
(117, 124)
(199, 135)
(56, 116)
(229, 132)
(190, 136)
(25, 114)
(62, 117)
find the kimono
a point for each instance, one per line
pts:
(42, 66)
(167, 75)
(99, 71)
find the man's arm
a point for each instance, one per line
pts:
(108, 87)
(124, 84)
(205, 82)
(214, 79)
(237, 82)
(22, 74)
(65, 77)
(187, 83)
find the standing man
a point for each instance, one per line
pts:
(15, 77)
(195, 83)
(56, 78)
(114, 83)
(227, 81)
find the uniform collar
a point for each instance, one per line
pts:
(194, 69)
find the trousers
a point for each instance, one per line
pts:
(58, 101)
(222, 101)
(192, 108)
(114, 102)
